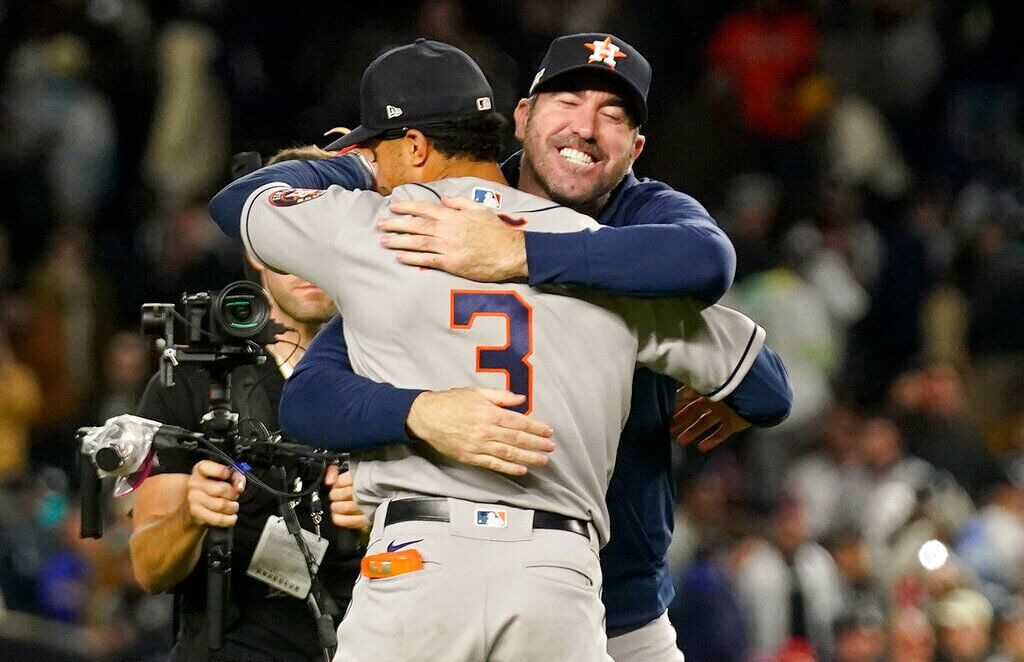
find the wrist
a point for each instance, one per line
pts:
(190, 524)
(414, 422)
(519, 266)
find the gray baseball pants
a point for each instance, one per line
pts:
(654, 642)
(487, 591)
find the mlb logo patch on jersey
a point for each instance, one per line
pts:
(487, 197)
(492, 518)
(289, 197)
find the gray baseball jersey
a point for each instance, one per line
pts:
(571, 353)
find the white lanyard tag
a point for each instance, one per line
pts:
(278, 561)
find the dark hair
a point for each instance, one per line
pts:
(479, 137)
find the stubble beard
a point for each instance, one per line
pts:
(304, 312)
(578, 200)
(590, 200)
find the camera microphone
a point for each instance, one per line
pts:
(124, 445)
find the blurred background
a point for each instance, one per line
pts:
(865, 157)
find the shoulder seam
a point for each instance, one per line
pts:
(247, 241)
(535, 211)
(425, 187)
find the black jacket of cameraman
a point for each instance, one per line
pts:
(262, 624)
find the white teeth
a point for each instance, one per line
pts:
(576, 156)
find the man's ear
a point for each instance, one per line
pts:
(415, 148)
(253, 269)
(520, 115)
(638, 145)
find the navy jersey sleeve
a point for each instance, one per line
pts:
(326, 404)
(764, 397)
(661, 243)
(348, 171)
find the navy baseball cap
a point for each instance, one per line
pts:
(425, 82)
(601, 53)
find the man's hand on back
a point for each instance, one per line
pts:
(699, 419)
(471, 426)
(459, 236)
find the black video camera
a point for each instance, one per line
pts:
(227, 327)
(224, 329)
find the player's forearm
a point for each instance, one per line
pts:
(347, 171)
(165, 549)
(657, 260)
(764, 397)
(326, 404)
(329, 407)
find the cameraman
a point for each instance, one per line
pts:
(183, 497)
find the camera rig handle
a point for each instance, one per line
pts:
(90, 487)
(217, 545)
(218, 425)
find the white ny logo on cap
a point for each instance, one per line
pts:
(392, 111)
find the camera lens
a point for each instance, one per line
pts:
(241, 309)
(238, 309)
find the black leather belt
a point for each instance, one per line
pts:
(433, 509)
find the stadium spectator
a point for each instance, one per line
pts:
(964, 619)
(860, 635)
(20, 404)
(911, 636)
(789, 586)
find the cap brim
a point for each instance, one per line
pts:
(633, 95)
(356, 136)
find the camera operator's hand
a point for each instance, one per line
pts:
(213, 491)
(344, 511)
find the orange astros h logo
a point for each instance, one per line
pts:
(604, 51)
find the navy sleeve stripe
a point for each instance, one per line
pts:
(537, 211)
(743, 358)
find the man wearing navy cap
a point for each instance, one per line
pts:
(578, 150)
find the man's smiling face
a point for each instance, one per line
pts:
(578, 144)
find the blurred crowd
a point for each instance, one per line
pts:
(865, 157)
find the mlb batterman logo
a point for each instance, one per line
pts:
(604, 51)
(487, 197)
(492, 518)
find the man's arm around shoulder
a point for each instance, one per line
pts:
(326, 404)
(349, 171)
(661, 243)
